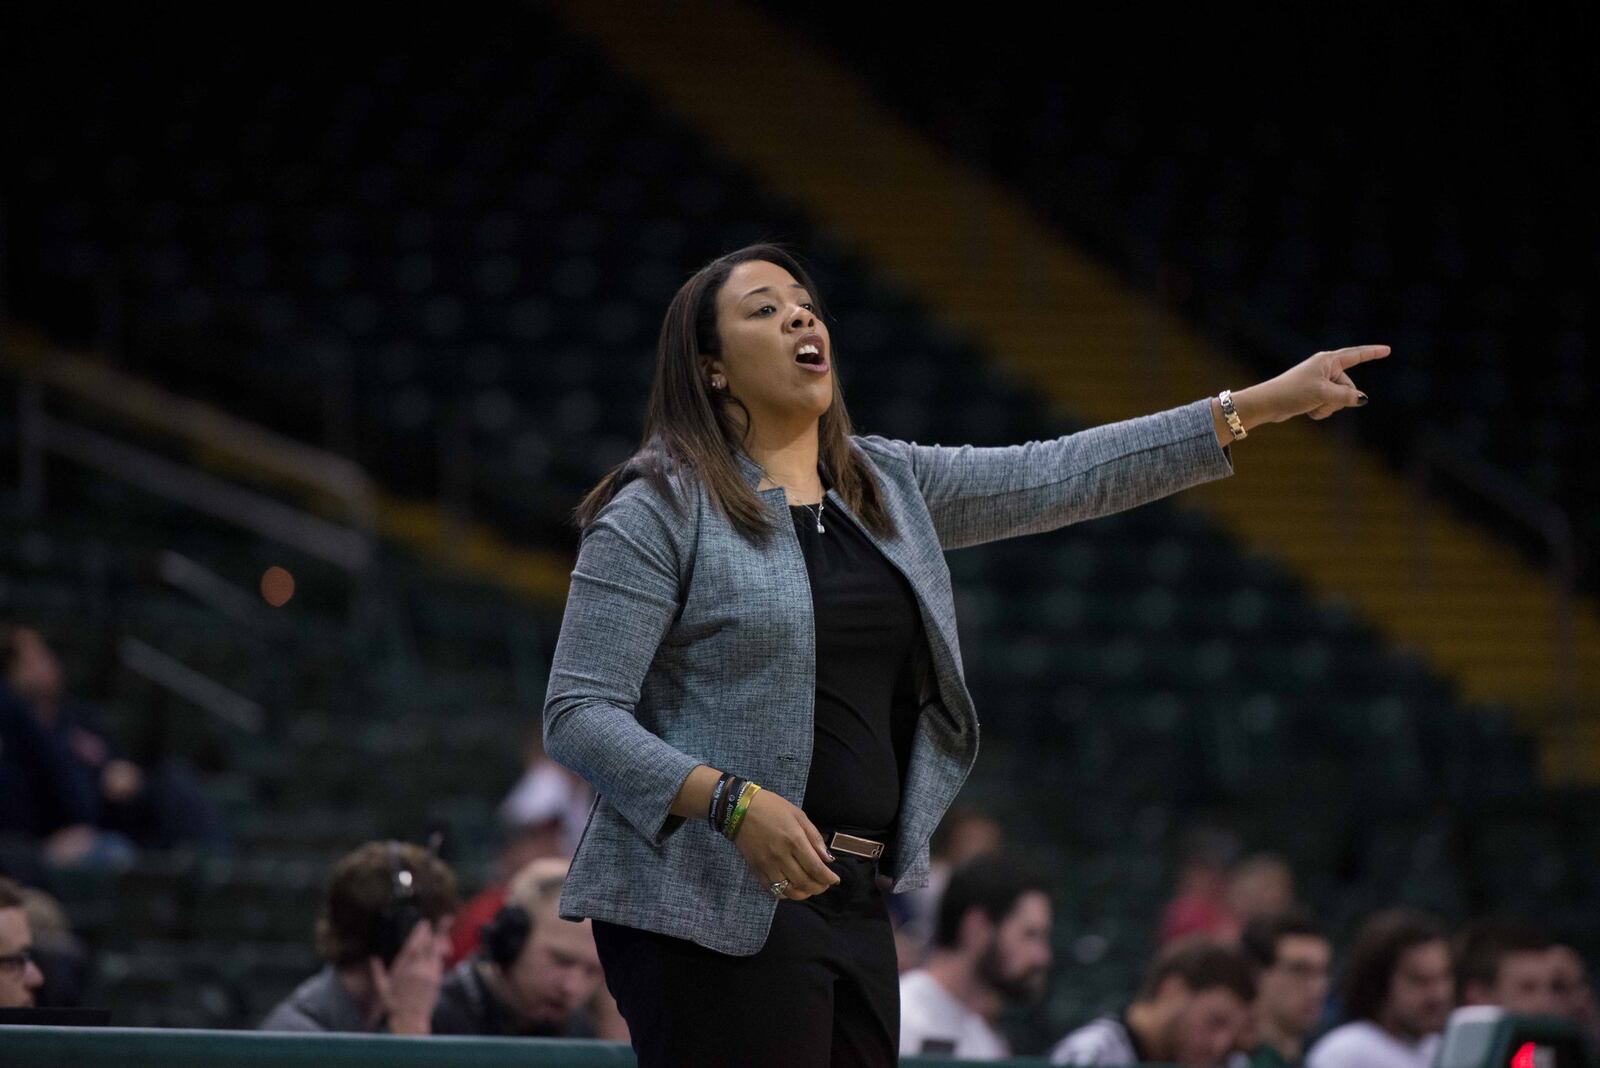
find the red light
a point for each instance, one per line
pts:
(277, 586)
(1523, 1058)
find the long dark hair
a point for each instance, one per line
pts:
(689, 425)
(1380, 944)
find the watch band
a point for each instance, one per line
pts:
(1231, 414)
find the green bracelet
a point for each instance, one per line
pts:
(745, 796)
(736, 790)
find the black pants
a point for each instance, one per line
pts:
(823, 991)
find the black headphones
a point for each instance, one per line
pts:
(401, 913)
(505, 936)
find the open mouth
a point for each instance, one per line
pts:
(811, 358)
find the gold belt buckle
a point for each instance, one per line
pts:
(861, 847)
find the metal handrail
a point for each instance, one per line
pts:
(263, 455)
(1438, 451)
(273, 457)
(174, 675)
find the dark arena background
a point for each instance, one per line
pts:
(319, 321)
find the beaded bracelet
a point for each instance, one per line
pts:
(745, 798)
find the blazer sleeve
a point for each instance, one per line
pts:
(623, 596)
(977, 495)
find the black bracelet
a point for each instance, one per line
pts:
(716, 801)
(716, 796)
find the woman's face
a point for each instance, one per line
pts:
(764, 318)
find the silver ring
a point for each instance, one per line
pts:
(779, 887)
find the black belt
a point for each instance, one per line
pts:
(840, 842)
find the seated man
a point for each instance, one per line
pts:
(965, 832)
(1398, 990)
(19, 975)
(991, 949)
(384, 933)
(534, 973)
(1574, 996)
(1193, 1009)
(1292, 956)
(1508, 963)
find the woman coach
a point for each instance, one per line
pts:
(758, 668)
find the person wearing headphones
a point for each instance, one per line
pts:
(534, 973)
(383, 934)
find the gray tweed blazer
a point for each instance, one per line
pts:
(682, 644)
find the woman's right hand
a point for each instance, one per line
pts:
(779, 842)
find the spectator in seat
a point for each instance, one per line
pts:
(1192, 1009)
(158, 807)
(965, 832)
(47, 805)
(1574, 996)
(19, 975)
(59, 953)
(535, 973)
(382, 896)
(1505, 962)
(991, 946)
(1292, 956)
(1260, 885)
(1200, 903)
(1398, 993)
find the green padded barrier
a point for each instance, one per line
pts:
(131, 1047)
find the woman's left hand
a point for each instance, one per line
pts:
(1319, 386)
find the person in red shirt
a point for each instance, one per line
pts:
(542, 817)
(1200, 905)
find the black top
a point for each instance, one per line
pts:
(866, 707)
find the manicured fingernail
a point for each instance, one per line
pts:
(1363, 399)
(832, 857)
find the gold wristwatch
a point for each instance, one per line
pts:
(1231, 414)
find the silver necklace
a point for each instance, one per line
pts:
(820, 504)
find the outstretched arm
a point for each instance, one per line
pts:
(977, 495)
(982, 494)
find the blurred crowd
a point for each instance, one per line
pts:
(1243, 975)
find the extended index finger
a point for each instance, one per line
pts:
(1358, 354)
